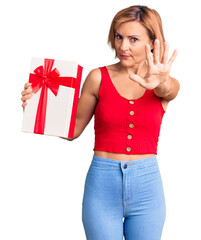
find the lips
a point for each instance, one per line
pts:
(125, 56)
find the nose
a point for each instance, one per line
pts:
(124, 45)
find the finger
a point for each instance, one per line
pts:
(24, 104)
(165, 54)
(156, 51)
(26, 91)
(149, 55)
(26, 97)
(26, 85)
(173, 57)
(138, 79)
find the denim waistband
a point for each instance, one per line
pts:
(140, 163)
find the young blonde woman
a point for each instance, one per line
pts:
(123, 193)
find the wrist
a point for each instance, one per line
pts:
(164, 88)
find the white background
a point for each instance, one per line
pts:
(42, 177)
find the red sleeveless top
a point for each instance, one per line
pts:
(129, 126)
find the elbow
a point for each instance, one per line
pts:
(73, 138)
(69, 138)
(76, 135)
(77, 132)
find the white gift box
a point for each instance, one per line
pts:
(48, 112)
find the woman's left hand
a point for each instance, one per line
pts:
(158, 72)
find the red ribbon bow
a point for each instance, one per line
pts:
(45, 77)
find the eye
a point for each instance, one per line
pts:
(133, 39)
(118, 36)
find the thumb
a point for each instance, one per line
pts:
(137, 79)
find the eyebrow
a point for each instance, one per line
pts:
(135, 35)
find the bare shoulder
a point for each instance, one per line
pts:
(113, 67)
(92, 82)
(113, 70)
(94, 74)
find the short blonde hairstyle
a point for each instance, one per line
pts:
(149, 18)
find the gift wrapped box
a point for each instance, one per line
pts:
(53, 107)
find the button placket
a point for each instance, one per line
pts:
(130, 126)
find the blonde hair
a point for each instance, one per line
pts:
(149, 18)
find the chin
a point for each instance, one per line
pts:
(126, 63)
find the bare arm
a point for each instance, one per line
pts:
(168, 90)
(87, 102)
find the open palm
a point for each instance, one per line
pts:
(158, 72)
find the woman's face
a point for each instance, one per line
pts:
(130, 41)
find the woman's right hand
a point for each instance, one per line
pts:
(26, 94)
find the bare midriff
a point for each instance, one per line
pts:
(121, 156)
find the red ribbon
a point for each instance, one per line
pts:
(45, 77)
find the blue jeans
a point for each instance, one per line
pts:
(123, 199)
